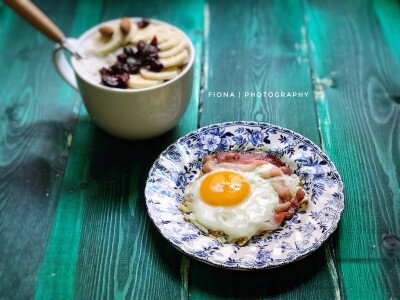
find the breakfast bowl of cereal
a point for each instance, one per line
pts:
(135, 75)
(245, 195)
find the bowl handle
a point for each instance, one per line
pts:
(63, 66)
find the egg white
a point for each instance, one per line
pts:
(244, 219)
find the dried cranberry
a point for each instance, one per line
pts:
(130, 62)
(143, 23)
(156, 66)
(154, 41)
(128, 51)
(122, 58)
(134, 62)
(126, 68)
(141, 45)
(136, 53)
(122, 84)
(116, 81)
(117, 68)
(110, 81)
(149, 49)
(152, 56)
(133, 69)
(104, 71)
(122, 80)
(123, 77)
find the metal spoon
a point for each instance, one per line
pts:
(33, 15)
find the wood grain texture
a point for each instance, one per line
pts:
(356, 65)
(103, 244)
(261, 46)
(37, 116)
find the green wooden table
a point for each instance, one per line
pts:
(73, 222)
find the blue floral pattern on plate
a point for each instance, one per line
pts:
(181, 163)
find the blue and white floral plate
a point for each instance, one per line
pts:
(181, 163)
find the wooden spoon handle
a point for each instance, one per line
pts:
(32, 14)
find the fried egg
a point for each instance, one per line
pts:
(235, 202)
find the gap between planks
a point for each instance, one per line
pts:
(205, 59)
(185, 261)
(328, 247)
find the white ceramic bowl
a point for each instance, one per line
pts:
(128, 113)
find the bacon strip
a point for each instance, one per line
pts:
(286, 170)
(227, 157)
(282, 190)
(282, 207)
(300, 194)
(273, 172)
(211, 165)
(289, 208)
(243, 158)
(208, 158)
(294, 205)
(279, 217)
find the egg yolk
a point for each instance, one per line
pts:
(224, 189)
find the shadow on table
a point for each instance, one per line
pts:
(115, 220)
(310, 272)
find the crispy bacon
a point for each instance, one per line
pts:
(275, 161)
(282, 190)
(279, 217)
(295, 203)
(242, 167)
(208, 158)
(273, 172)
(227, 157)
(300, 194)
(286, 170)
(282, 207)
(244, 158)
(211, 165)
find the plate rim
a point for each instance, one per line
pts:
(255, 268)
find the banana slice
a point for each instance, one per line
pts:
(145, 34)
(168, 44)
(132, 32)
(173, 51)
(164, 34)
(138, 82)
(102, 45)
(177, 60)
(165, 74)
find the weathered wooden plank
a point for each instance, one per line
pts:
(255, 47)
(355, 59)
(38, 116)
(120, 254)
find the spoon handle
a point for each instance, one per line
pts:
(33, 15)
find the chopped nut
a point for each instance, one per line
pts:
(241, 241)
(125, 25)
(143, 23)
(184, 208)
(106, 31)
(216, 233)
(304, 201)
